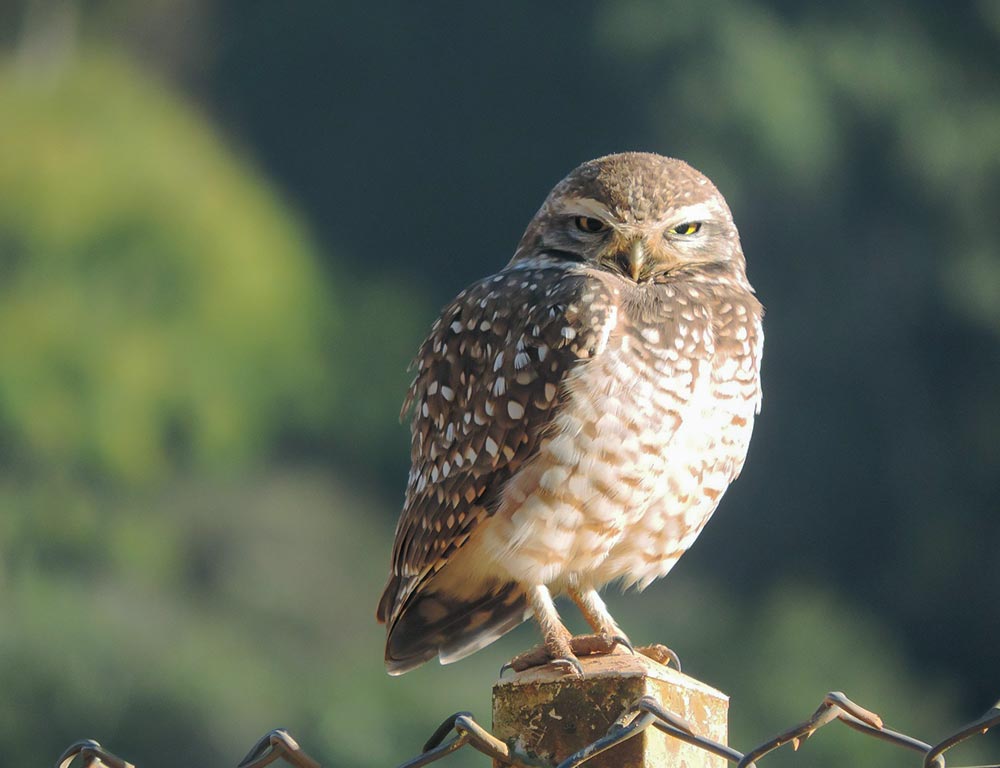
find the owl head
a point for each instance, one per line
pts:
(641, 216)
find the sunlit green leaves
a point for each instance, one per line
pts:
(161, 307)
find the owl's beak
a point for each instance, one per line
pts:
(636, 258)
(631, 259)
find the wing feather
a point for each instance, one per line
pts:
(488, 382)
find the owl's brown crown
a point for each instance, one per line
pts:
(638, 186)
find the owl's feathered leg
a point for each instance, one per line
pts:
(559, 646)
(596, 613)
(556, 645)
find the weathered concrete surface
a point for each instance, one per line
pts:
(550, 715)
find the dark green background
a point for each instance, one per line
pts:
(226, 226)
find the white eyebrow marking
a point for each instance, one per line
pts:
(696, 212)
(586, 206)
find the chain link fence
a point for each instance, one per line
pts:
(461, 730)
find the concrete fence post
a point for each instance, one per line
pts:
(551, 715)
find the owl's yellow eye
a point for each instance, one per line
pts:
(589, 224)
(687, 228)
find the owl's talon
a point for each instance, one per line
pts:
(569, 661)
(661, 654)
(624, 642)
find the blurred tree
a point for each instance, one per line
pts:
(163, 309)
(184, 634)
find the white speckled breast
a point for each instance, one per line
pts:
(656, 427)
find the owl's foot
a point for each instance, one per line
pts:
(564, 652)
(599, 644)
(557, 651)
(661, 654)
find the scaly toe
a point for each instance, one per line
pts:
(661, 654)
(540, 656)
(571, 662)
(534, 657)
(561, 653)
(598, 645)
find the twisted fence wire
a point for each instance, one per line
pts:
(643, 714)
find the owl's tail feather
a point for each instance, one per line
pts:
(439, 624)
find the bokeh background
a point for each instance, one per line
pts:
(226, 226)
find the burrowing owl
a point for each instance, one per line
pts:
(576, 416)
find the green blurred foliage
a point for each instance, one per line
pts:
(205, 615)
(209, 613)
(184, 345)
(164, 310)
